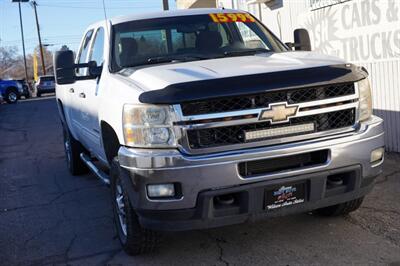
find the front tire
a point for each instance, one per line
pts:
(11, 96)
(340, 209)
(134, 239)
(73, 149)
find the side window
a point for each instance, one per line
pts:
(83, 52)
(96, 53)
(250, 38)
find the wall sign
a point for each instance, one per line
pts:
(358, 31)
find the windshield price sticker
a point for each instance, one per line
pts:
(231, 17)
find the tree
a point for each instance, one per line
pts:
(48, 61)
(9, 61)
(12, 64)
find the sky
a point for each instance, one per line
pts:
(62, 21)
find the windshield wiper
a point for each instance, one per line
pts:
(246, 52)
(178, 58)
(159, 59)
(169, 59)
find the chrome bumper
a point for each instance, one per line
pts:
(220, 170)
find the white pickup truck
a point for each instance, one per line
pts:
(203, 118)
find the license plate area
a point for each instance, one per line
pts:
(285, 195)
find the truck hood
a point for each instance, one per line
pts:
(160, 76)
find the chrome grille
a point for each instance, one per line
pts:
(262, 100)
(220, 136)
(207, 128)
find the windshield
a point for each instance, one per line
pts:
(188, 38)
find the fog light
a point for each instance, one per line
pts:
(161, 190)
(377, 155)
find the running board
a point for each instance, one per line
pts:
(100, 174)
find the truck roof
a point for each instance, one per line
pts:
(171, 13)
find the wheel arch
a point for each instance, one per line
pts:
(110, 141)
(11, 88)
(61, 111)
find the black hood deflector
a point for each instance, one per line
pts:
(255, 83)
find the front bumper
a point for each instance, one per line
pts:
(203, 177)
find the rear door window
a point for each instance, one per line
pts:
(96, 53)
(83, 52)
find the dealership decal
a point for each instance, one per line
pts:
(285, 196)
(357, 30)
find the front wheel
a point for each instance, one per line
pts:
(134, 239)
(340, 209)
(12, 96)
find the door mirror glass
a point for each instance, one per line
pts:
(64, 67)
(302, 40)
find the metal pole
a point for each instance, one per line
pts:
(40, 40)
(23, 41)
(165, 5)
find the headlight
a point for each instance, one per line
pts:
(148, 126)
(365, 100)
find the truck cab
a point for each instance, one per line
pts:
(204, 118)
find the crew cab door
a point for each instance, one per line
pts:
(76, 90)
(90, 101)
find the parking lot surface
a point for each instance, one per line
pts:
(48, 217)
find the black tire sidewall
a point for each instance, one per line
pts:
(9, 92)
(74, 162)
(115, 178)
(68, 155)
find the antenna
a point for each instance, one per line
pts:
(105, 17)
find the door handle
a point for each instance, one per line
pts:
(82, 95)
(71, 90)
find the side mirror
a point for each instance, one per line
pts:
(302, 40)
(64, 67)
(94, 69)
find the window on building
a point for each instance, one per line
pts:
(318, 4)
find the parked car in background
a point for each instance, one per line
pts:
(11, 90)
(45, 84)
(27, 93)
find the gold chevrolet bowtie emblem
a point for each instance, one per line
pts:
(279, 112)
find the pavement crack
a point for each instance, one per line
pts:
(367, 228)
(52, 201)
(41, 232)
(110, 258)
(386, 177)
(69, 247)
(219, 241)
(380, 210)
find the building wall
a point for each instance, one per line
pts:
(364, 32)
(182, 4)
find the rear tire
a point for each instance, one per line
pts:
(73, 149)
(38, 94)
(11, 96)
(340, 209)
(134, 239)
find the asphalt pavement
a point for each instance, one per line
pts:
(48, 217)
